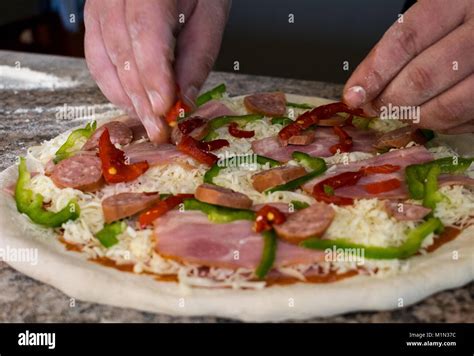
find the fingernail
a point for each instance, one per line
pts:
(190, 95)
(157, 102)
(355, 96)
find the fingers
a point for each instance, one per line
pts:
(198, 45)
(461, 129)
(450, 110)
(118, 45)
(98, 62)
(424, 24)
(434, 71)
(150, 24)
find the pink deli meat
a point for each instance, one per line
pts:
(324, 139)
(191, 237)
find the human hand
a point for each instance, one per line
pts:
(130, 48)
(425, 60)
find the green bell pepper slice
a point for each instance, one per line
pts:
(431, 195)
(108, 235)
(416, 174)
(299, 105)
(411, 246)
(218, 214)
(224, 163)
(284, 121)
(221, 121)
(215, 93)
(298, 205)
(69, 147)
(31, 204)
(268, 254)
(316, 164)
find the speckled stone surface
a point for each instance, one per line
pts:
(29, 117)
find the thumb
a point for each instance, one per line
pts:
(198, 45)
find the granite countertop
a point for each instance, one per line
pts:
(27, 117)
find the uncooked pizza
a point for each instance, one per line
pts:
(261, 196)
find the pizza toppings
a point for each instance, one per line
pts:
(236, 132)
(160, 208)
(213, 94)
(345, 141)
(190, 236)
(126, 204)
(267, 217)
(119, 133)
(114, 166)
(192, 148)
(212, 145)
(70, 147)
(276, 176)
(178, 109)
(320, 147)
(305, 223)
(316, 165)
(153, 154)
(31, 204)
(324, 191)
(383, 186)
(303, 138)
(411, 245)
(82, 172)
(406, 211)
(312, 117)
(268, 104)
(221, 196)
(400, 138)
(196, 127)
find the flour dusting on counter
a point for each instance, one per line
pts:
(25, 79)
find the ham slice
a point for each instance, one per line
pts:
(154, 154)
(212, 109)
(402, 158)
(324, 139)
(191, 237)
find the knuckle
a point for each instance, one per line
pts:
(420, 79)
(406, 41)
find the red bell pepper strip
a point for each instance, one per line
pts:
(312, 117)
(162, 207)
(236, 132)
(320, 190)
(266, 217)
(212, 145)
(383, 186)
(188, 126)
(114, 166)
(191, 147)
(383, 169)
(172, 115)
(345, 141)
(338, 181)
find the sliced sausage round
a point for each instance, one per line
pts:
(216, 195)
(123, 205)
(198, 133)
(280, 175)
(268, 104)
(119, 133)
(405, 211)
(399, 138)
(309, 222)
(82, 171)
(302, 139)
